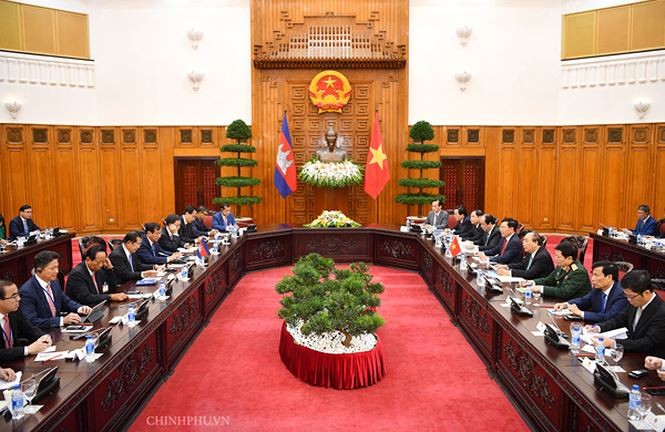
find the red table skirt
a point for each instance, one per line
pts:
(339, 371)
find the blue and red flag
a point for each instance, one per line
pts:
(285, 167)
(204, 250)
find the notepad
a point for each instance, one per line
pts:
(6, 385)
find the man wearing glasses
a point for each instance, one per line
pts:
(16, 329)
(644, 317)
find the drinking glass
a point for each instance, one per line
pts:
(645, 406)
(617, 353)
(29, 389)
(536, 298)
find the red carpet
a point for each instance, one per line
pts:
(434, 380)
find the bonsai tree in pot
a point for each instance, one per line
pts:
(420, 132)
(346, 303)
(239, 131)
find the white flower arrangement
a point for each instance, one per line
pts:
(331, 174)
(331, 342)
(333, 219)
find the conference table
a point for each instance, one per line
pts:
(16, 263)
(612, 249)
(548, 386)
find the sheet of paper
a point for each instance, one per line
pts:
(32, 409)
(60, 355)
(139, 296)
(508, 279)
(620, 333)
(6, 385)
(589, 364)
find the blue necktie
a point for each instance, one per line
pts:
(25, 226)
(154, 249)
(603, 301)
(131, 264)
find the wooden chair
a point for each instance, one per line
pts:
(659, 287)
(581, 242)
(624, 267)
(115, 243)
(661, 228)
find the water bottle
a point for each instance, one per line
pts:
(408, 222)
(463, 264)
(89, 349)
(600, 350)
(18, 403)
(640, 240)
(634, 401)
(215, 248)
(131, 313)
(575, 337)
(528, 296)
(162, 290)
(480, 280)
(183, 273)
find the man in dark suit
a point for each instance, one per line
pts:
(605, 301)
(87, 280)
(170, 240)
(42, 299)
(22, 225)
(644, 317)
(509, 250)
(646, 225)
(187, 231)
(126, 266)
(464, 225)
(200, 228)
(150, 251)
(223, 218)
(476, 233)
(569, 280)
(536, 263)
(492, 236)
(20, 338)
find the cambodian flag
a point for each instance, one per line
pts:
(204, 250)
(285, 168)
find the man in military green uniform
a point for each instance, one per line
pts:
(569, 280)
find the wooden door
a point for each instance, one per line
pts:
(465, 182)
(195, 182)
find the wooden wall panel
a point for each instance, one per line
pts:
(15, 168)
(508, 167)
(42, 174)
(132, 198)
(658, 208)
(526, 176)
(67, 179)
(111, 189)
(639, 174)
(568, 182)
(91, 174)
(589, 171)
(545, 191)
(613, 189)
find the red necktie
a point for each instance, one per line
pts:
(49, 299)
(7, 332)
(94, 280)
(503, 248)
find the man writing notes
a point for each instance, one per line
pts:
(170, 239)
(569, 279)
(646, 225)
(438, 217)
(42, 299)
(22, 225)
(509, 250)
(476, 233)
(16, 329)
(644, 317)
(606, 300)
(536, 263)
(492, 236)
(126, 266)
(150, 252)
(187, 231)
(87, 280)
(223, 218)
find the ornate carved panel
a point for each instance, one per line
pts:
(452, 136)
(128, 136)
(591, 135)
(150, 136)
(508, 136)
(131, 371)
(476, 316)
(86, 136)
(640, 135)
(548, 136)
(528, 136)
(186, 136)
(473, 135)
(660, 135)
(569, 135)
(267, 249)
(523, 368)
(108, 136)
(14, 135)
(64, 136)
(397, 248)
(614, 135)
(40, 135)
(185, 318)
(206, 136)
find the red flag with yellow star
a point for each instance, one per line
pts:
(455, 248)
(376, 170)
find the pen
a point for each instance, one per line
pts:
(53, 357)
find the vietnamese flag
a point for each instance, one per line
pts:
(376, 170)
(455, 248)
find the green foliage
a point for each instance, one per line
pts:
(420, 182)
(345, 302)
(237, 181)
(237, 162)
(421, 131)
(238, 130)
(237, 148)
(422, 148)
(420, 164)
(238, 200)
(419, 199)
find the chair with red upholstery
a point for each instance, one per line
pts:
(452, 221)
(659, 287)
(661, 228)
(581, 242)
(624, 267)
